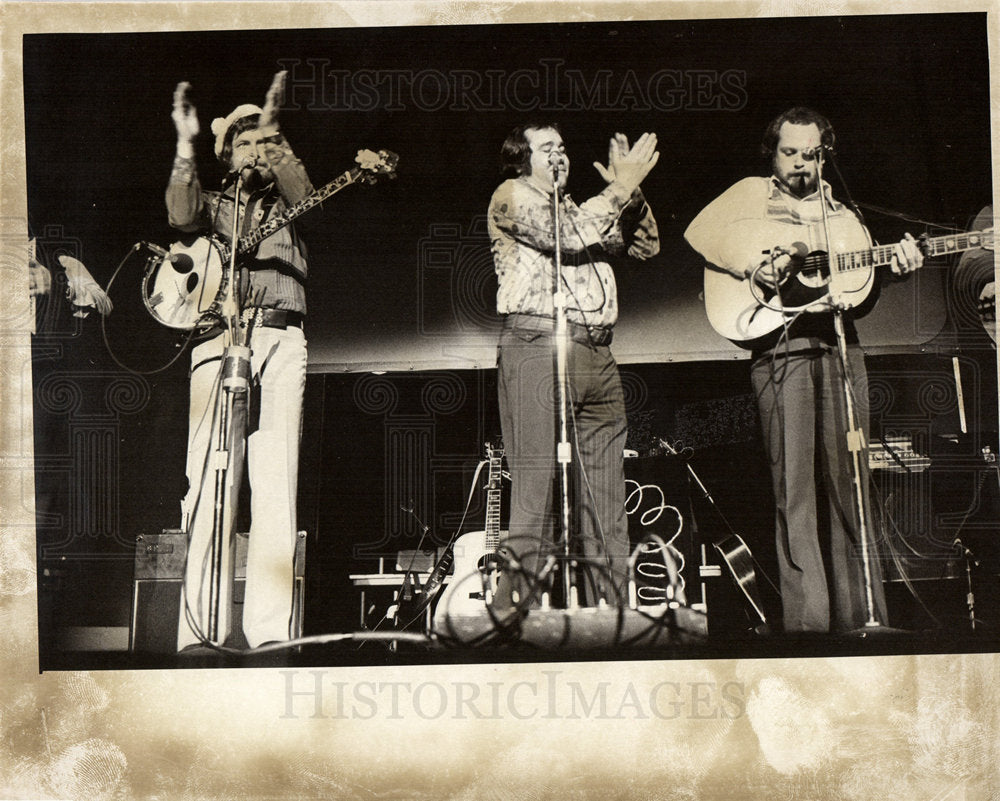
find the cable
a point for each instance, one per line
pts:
(322, 639)
(107, 341)
(193, 620)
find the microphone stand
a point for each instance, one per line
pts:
(230, 436)
(970, 598)
(563, 449)
(855, 434)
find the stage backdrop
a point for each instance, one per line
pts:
(401, 275)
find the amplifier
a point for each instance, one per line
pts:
(156, 590)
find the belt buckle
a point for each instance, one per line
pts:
(250, 315)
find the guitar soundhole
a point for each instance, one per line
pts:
(487, 564)
(192, 282)
(182, 263)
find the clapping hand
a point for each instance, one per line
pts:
(629, 166)
(185, 115)
(272, 103)
(83, 291)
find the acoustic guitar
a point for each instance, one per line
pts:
(744, 311)
(731, 547)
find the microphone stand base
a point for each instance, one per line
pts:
(875, 630)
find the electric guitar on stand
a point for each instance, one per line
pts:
(181, 287)
(473, 583)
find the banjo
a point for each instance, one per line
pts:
(181, 288)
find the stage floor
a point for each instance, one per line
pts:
(583, 635)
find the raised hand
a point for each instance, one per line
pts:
(629, 166)
(184, 115)
(83, 291)
(614, 149)
(39, 278)
(272, 102)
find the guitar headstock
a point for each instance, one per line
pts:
(376, 166)
(494, 448)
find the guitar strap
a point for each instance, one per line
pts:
(256, 208)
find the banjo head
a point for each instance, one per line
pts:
(180, 288)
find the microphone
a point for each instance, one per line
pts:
(245, 170)
(556, 162)
(798, 250)
(811, 153)
(166, 255)
(965, 551)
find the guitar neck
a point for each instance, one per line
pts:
(492, 520)
(255, 237)
(882, 255)
(492, 538)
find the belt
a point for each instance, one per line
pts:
(584, 334)
(279, 318)
(772, 353)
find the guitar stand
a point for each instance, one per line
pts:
(747, 583)
(970, 598)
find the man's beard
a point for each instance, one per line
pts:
(258, 177)
(801, 184)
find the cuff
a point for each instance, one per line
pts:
(183, 170)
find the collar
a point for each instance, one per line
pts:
(526, 180)
(230, 192)
(780, 191)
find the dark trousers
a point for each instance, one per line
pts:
(597, 430)
(802, 412)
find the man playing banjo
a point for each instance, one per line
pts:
(261, 165)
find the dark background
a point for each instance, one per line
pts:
(400, 275)
(908, 95)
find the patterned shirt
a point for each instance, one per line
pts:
(278, 267)
(522, 238)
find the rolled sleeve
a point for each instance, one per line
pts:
(183, 197)
(712, 233)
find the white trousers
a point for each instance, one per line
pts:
(278, 370)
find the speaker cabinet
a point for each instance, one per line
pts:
(156, 591)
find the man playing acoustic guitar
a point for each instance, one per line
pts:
(754, 236)
(271, 282)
